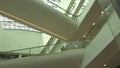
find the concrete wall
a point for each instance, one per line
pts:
(17, 39)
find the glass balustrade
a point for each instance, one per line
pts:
(50, 48)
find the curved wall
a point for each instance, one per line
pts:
(17, 39)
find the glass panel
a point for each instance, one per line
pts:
(27, 51)
(11, 24)
(36, 50)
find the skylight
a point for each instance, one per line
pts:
(63, 5)
(7, 23)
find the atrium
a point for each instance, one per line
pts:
(59, 33)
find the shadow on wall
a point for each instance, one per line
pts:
(116, 4)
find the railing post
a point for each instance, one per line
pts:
(30, 51)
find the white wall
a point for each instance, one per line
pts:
(17, 39)
(46, 38)
(1, 37)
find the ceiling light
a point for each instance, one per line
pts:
(76, 46)
(104, 65)
(93, 24)
(102, 12)
(84, 36)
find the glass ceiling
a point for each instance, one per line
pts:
(7, 23)
(63, 5)
(83, 7)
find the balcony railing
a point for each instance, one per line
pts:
(71, 8)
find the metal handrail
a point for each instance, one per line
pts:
(23, 49)
(60, 7)
(36, 47)
(29, 48)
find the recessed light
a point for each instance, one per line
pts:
(84, 36)
(76, 46)
(104, 65)
(102, 12)
(93, 24)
